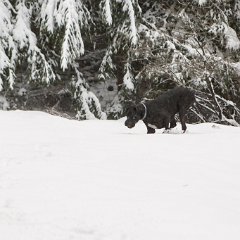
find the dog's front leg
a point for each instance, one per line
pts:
(150, 130)
(167, 123)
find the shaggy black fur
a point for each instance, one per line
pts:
(159, 113)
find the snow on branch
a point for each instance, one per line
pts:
(232, 39)
(128, 77)
(47, 14)
(13, 57)
(4, 63)
(45, 73)
(5, 18)
(107, 65)
(230, 35)
(237, 9)
(72, 15)
(106, 8)
(22, 32)
(88, 104)
(5, 30)
(236, 67)
(201, 2)
(128, 7)
(26, 39)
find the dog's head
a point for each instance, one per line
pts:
(134, 114)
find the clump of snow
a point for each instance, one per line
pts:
(22, 92)
(107, 11)
(191, 51)
(170, 45)
(4, 104)
(106, 62)
(233, 42)
(22, 30)
(48, 14)
(25, 38)
(199, 82)
(128, 78)
(70, 14)
(237, 9)
(236, 66)
(89, 103)
(4, 62)
(5, 29)
(128, 6)
(201, 2)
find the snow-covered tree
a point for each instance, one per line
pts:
(146, 46)
(63, 22)
(6, 45)
(122, 20)
(88, 106)
(43, 39)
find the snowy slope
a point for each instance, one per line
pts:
(98, 180)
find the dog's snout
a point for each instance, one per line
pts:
(129, 124)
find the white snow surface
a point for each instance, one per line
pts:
(98, 180)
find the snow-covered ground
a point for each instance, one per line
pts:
(98, 180)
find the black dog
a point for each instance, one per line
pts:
(159, 113)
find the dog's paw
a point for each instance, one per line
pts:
(166, 131)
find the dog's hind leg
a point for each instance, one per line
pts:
(182, 116)
(173, 122)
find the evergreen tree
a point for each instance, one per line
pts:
(6, 45)
(44, 38)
